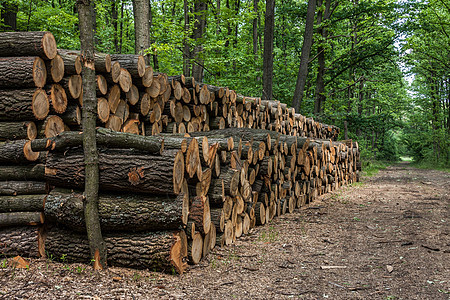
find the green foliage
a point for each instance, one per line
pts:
(370, 47)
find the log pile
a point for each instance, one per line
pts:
(184, 166)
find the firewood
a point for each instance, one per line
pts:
(21, 219)
(117, 212)
(26, 71)
(39, 43)
(14, 188)
(160, 251)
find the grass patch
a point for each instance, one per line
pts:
(372, 167)
(430, 166)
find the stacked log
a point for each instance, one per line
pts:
(184, 166)
(24, 101)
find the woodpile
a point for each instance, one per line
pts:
(184, 166)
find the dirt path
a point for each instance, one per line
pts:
(387, 238)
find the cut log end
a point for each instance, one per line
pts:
(40, 104)
(58, 98)
(178, 252)
(57, 68)
(49, 45)
(28, 153)
(39, 72)
(178, 172)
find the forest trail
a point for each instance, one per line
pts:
(385, 238)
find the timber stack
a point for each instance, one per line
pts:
(184, 166)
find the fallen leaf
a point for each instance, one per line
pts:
(389, 268)
(20, 263)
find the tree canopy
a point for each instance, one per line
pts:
(379, 69)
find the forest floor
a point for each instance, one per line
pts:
(387, 237)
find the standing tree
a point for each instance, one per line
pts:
(200, 8)
(268, 50)
(306, 49)
(141, 11)
(96, 243)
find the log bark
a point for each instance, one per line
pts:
(156, 251)
(133, 63)
(55, 69)
(20, 240)
(23, 72)
(120, 170)
(117, 212)
(21, 219)
(17, 152)
(20, 173)
(105, 137)
(13, 188)
(17, 130)
(23, 105)
(72, 61)
(22, 203)
(199, 213)
(38, 43)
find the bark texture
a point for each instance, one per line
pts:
(117, 212)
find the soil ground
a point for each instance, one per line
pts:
(385, 238)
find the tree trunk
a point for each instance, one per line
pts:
(13, 188)
(186, 48)
(20, 173)
(200, 10)
(17, 152)
(21, 240)
(268, 50)
(30, 43)
(120, 170)
(304, 59)
(21, 219)
(97, 245)
(141, 10)
(9, 15)
(159, 251)
(22, 72)
(118, 212)
(320, 83)
(22, 203)
(17, 130)
(23, 105)
(105, 137)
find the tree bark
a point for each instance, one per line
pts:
(159, 251)
(200, 10)
(22, 203)
(17, 152)
(22, 72)
(20, 240)
(21, 219)
(120, 170)
(17, 130)
(20, 173)
(117, 212)
(13, 188)
(268, 50)
(30, 43)
(304, 59)
(23, 105)
(320, 83)
(141, 11)
(186, 48)
(97, 245)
